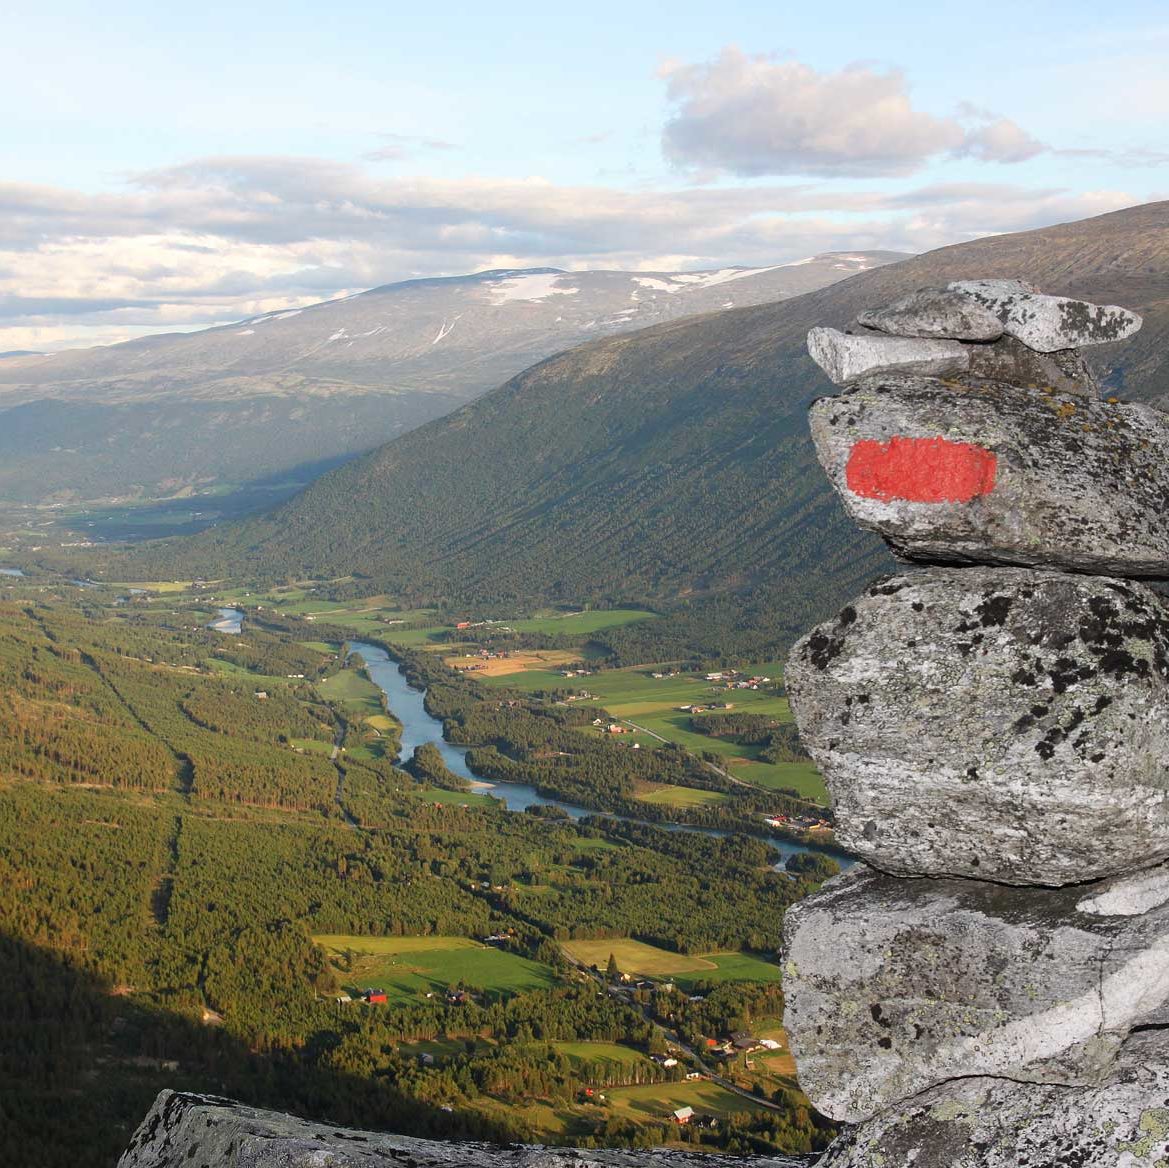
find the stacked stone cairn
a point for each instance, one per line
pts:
(989, 988)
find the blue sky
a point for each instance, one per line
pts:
(167, 167)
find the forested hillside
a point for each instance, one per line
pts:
(666, 465)
(195, 886)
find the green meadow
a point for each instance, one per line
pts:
(633, 695)
(408, 968)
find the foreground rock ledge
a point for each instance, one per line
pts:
(993, 1123)
(896, 986)
(205, 1131)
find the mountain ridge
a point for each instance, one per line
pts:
(668, 463)
(252, 398)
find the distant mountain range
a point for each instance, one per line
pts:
(668, 464)
(288, 393)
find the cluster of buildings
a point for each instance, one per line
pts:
(740, 1042)
(734, 679)
(798, 822)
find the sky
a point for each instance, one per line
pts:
(169, 167)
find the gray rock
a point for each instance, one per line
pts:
(210, 1132)
(935, 312)
(1048, 323)
(895, 986)
(1062, 482)
(1127, 896)
(845, 357)
(1010, 361)
(993, 1123)
(996, 723)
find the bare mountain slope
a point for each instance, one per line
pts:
(258, 397)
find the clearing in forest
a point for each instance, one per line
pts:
(638, 959)
(411, 967)
(518, 662)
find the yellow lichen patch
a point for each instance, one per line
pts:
(1155, 1124)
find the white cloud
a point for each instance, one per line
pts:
(221, 238)
(1001, 141)
(755, 115)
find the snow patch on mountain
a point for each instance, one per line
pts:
(533, 286)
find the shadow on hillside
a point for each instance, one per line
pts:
(191, 514)
(80, 1066)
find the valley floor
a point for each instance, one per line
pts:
(207, 854)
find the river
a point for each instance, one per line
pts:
(407, 704)
(230, 620)
(11, 572)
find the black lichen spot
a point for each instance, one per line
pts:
(1045, 747)
(994, 610)
(822, 649)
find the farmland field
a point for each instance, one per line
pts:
(410, 967)
(658, 1100)
(634, 957)
(731, 967)
(456, 798)
(652, 704)
(618, 1059)
(352, 689)
(639, 959)
(665, 794)
(515, 662)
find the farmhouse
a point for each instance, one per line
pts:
(684, 1115)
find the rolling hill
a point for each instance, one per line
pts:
(667, 464)
(288, 393)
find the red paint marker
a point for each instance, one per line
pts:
(920, 470)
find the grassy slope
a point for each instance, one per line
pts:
(410, 967)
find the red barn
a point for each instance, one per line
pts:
(375, 997)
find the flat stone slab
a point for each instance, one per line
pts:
(980, 472)
(892, 987)
(940, 313)
(992, 1123)
(1047, 323)
(997, 723)
(845, 356)
(206, 1131)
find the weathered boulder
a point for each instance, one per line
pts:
(209, 1132)
(994, 1123)
(935, 312)
(847, 356)
(1008, 360)
(982, 472)
(894, 986)
(997, 723)
(1048, 323)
